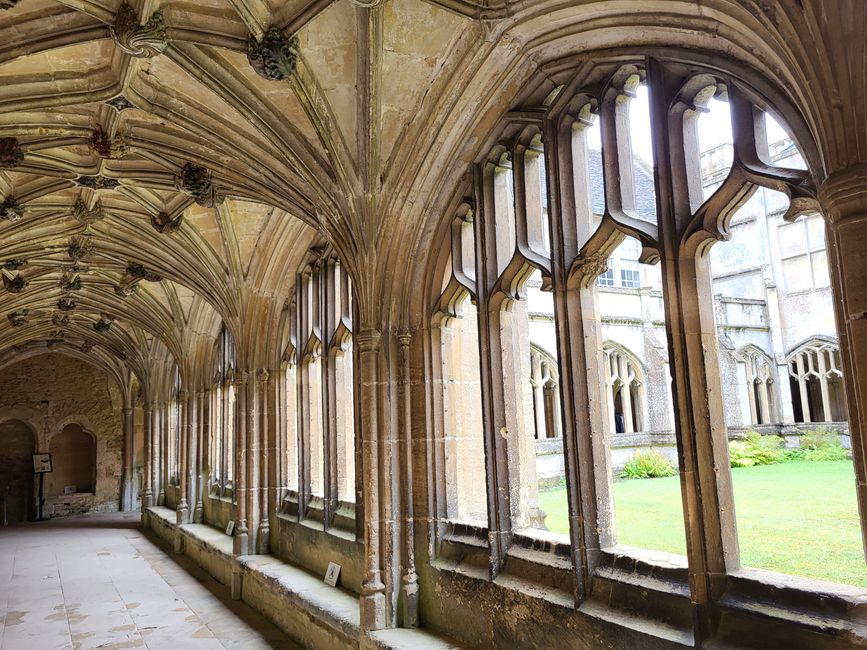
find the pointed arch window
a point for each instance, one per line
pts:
(224, 419)
(759, 374)
(624, 390)
(817, 383)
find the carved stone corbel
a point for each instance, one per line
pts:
(590, 266)
(141, 41)
(275, 56)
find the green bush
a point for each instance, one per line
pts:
(756, 449)
(648, 464)
(819, 445)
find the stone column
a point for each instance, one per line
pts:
(201, 431)
(263, 378)
(843, 197)
(409, 580)
(192, 451)
(183, 510)
(161, 458)
(147, 495)
(128, 498)
(373, 613)
(241, 540)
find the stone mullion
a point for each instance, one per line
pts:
(844, 203)
(327, 319)
(579, 348)
(202, 449)
(434, 457)
(281, 441)
(249, 415)
(263, 378)
(708, 500)
(373, 599)
(162, 432)
(409, 580)
(128, 457)
(147, 488)
(491, 362)
(802, 389)
(183, 509)
(192, 451)
(241, 540)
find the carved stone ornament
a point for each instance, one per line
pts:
(18, 318)
(16, 284)
(10, 209)
(70, 283)
(57, 334)
(8, 4)
(10, 153)
(120, 103)
(103, 324)
(139, 272)
(107, 148)
(275, 56)
(97, 182)
(164, 224)
(140, 41)
(79, 248)
(60, 320)
(87, 216)
(86, 346)
(196, 181)
(66, 304)
(14, 264)
(125, 290)
(592, 266)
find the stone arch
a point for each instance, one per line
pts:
(73, 454)
(760, 376)
(816, 377)
(17, 446)
(624, 382)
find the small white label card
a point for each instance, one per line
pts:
(332, 574)
(230, 529)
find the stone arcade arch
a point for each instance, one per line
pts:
(17, 446)
(73, 453)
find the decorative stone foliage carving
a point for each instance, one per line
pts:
(70, 282)
(10, 209)
(139, 272)
(103, 324)
(86, 346)
(66, 304)
(140, 41)
(14, 264)
(87, 216)
(196, 181)
(18, 318)
(60, 320)
(591, 266)
(125, 290)
(16, 284)
(107, 148)
(275, 56)
(97, 182)
(10, 153)
(120, 103)
(57, 334)
(79, 248)
(164, 224)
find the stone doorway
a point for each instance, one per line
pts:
(17, 447)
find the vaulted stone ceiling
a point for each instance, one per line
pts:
(167, 165)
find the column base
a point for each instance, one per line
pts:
(198, 513)
(263, 539)
(372, 608)
(183, 512)
(410, 600)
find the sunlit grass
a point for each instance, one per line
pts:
(799, 518)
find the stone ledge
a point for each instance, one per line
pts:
(308, 610)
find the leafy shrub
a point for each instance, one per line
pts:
(648, 464)
(756, 449)
(819, 445)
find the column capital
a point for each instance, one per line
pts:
(263, 375)
(843, 195)
(404, 337)
(368, 340)
(242, 377)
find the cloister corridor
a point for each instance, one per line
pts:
(99, 581)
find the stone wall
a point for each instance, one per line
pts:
(50, 392)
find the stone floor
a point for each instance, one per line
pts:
(98, 581)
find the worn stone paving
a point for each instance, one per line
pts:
(97, 581)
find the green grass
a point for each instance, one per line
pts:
(798, 518)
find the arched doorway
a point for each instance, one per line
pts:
(73, 453)
(17, 447)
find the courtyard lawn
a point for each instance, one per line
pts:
(799, 518)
